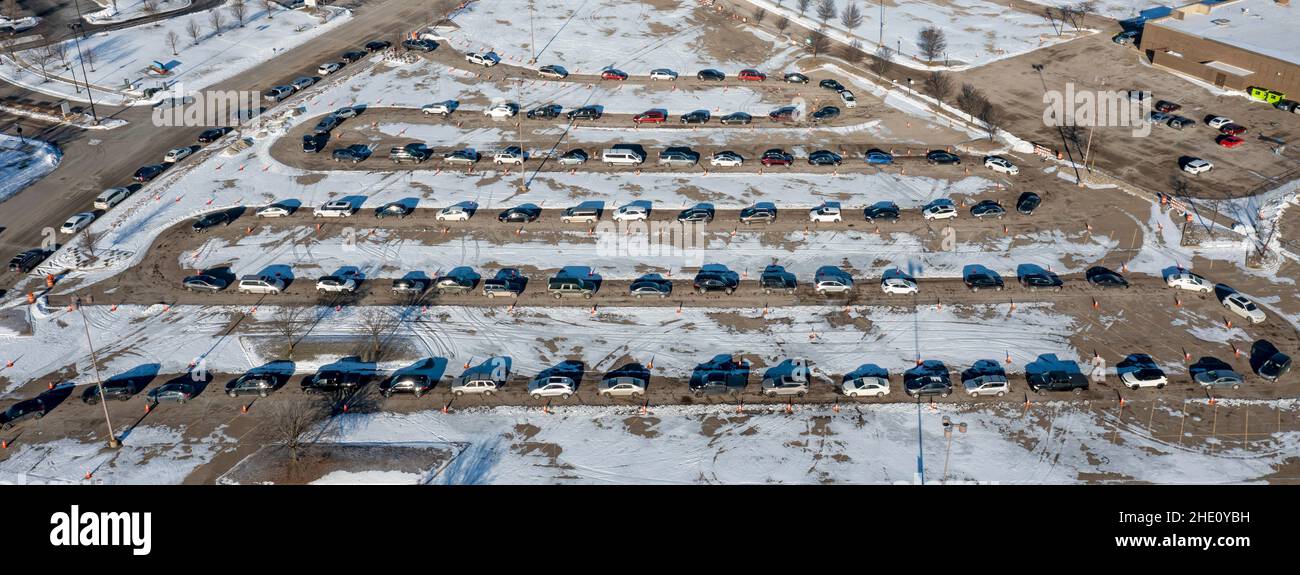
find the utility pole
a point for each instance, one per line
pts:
(532, 37)
(99, 384)
(880, 40)
(78, 29)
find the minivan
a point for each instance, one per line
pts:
(560, 287)
(625, 157)
(260, 284)
(580, 214)
(409, 153)
(111, 197)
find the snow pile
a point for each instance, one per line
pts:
(123, 10)
(23, 162)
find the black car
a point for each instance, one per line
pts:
(783, 114)
(929, 378)
(650, 286)
(1105, 278)
(585, 113)
(377, 45)
(352, 56)
(28, 260)
(211, 220)
(178, 391)
(881, 211)
(706, 282)
(758, 214)
(720, 381)
(1028, 202)
(119, 389)
(831, 85)
(1267, 361)
(696, 117)
(942, 158)
(977, 280)
(775, 278)
(149, 172)
(1057, 380)
(203, 282)
(393, 209)
(711, 75)
(545, 112)
(354, 153)
(312, 143)
(416, 384)
(826, 113)
(259, 384)
(795, 78)
(736, 118)
(987, 208)
(696, 214)
(824, 158)
(212, 134)
(327, 380)
(34, 407)
(1041, 281)
(526, 213)
(420, 45)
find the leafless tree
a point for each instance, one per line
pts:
(882, 61)
(172, 39)
(88, 57)
(216, 20)
(378, 323)
(269, 7)
(60, 52)
(970, 99)
(89, 244)
(759, 14)
(292, 420)
(852, 52)
(938, 86)
(851, 17)
(990, 117)
(782, 23)
(239, 9)
(1050, 15)
(43, 57)
(826, 10)
(803, 5)
(10, 9)
(818, 42)
(150, 7)
(288, 322)
(1079, 13)
(192, 28)
(931, 42)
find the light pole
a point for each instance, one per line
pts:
(947, 434)
(99, 384)
(79, 29)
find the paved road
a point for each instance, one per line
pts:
(94, 160)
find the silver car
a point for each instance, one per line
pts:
(865, 386)
(1219, 378)
(987, 385)
(622, 386)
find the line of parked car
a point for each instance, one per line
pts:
(721, 375)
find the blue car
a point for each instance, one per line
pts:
(879, 158)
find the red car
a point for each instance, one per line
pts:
(752, 75)
(776, 157)
(1229, 141)
(1233, 129)
(650, 117)
(612, 74)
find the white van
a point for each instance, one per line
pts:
(625, 157)
(111, 197)
(261, 285)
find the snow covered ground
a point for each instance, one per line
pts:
(128, 53)
(23, 162)
(150, 455)
(124, 10)
(1117, 9)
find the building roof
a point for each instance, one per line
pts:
(1261, 26)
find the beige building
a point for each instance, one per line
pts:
(1235, 44)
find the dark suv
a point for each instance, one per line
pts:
(259, 384)
(34, 407)
(706, 282)
(416, 384)
(121, 390)
(328, 380)
(28, 260)
(1057, 380)
(775, 278)
(929, 378)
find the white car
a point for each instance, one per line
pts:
(487, 59)
(834, 285)
(110, 197)
(1240, 305)
(990, 384)
(940, 212)
(824, 213)
(849, 100)
(329, 68)
(898, 286)
(1196, 166)
(272, 211)
(1145, 377)
(726, 159)
(260, 285)
(302, 83)
(501, 111)
(509, 155)
(336, 284)
(345, 112)
(866, 386)
(478, 385)
(1219, 122)
(441, 108)
(77, 222)
(178, 154)
(335, 209)
(1001, 165)
(452, 214)
(663, 74)
(1190, 282)
(553, 386)
(631, 213)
